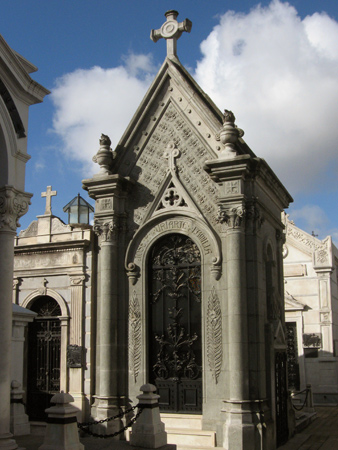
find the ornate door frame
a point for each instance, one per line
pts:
(136, 263)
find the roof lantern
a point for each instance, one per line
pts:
(78, 210)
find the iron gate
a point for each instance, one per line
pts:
(44, 343)
(282, 429)
(292, 356)
(175, 344)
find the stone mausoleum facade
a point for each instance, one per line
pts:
(179, 282)
(311, 307)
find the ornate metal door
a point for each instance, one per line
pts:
(175, 344)
(282, 429)
(44, 342)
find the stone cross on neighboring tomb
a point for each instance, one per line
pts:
(48, 194)
(171, 30)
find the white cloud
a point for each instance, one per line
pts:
(90, 102)
(312, 218)
(279, 75)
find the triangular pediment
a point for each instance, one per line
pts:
(291, 304)
(279, 335)
(172, 197)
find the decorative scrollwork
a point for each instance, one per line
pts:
(13, 205)
(134, 336)
(108, 231)
(176, 357)
(214, 334)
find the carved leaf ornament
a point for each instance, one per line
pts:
(134, 336)
(214, 334)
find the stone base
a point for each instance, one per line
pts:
(103, 408)
(248, 426)
(6, 443)
(19, 424)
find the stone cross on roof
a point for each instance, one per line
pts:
(171, 30)
(48, 194)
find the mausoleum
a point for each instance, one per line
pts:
(178, 283)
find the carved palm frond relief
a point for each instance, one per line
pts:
(134, 336)
(214, 334)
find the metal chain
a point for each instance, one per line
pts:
(84, 426)
(96, 422)
(300, 408)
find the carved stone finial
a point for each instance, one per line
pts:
(228, 116)
(104, 140)
(229, 135)
(105, 156)
(171, 30)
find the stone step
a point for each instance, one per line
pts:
(193, 447)
(38, 428)
(192, 438)
(187, 421)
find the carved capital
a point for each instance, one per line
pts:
(106, 230)
(77, 280)
(254, 214)
(232, 216)
(13, 205)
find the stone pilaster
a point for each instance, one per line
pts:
(239, 430)
(110, 192)
(13, 205)
(76, 287)
(76, 368)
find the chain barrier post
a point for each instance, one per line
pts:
(148, 431)
(309, 400)
(61, 431)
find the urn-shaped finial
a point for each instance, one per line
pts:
(229, 135)
(105, 156)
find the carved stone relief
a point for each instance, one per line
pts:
(150, 169)
(134, 335)
(13, 205)
(32, 230)
(214, 334)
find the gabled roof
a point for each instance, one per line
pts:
(291, 304)
(173, 71)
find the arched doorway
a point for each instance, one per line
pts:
(175, 336)
(43, 362)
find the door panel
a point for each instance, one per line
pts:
(175, 344)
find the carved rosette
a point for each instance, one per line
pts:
(214, 334)
(232, 216)
(107, 230)
(13, 205)
(134, 336)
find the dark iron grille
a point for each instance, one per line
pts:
(282, 429)
(44, 348)
(175, 323)
(292, 356)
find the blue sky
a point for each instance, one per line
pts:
(275, 66)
